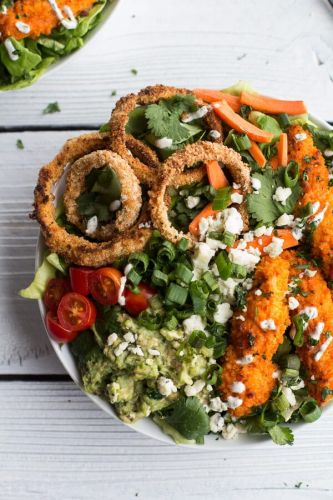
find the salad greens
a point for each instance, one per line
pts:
(36, 56)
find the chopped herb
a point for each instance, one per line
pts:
(19, 144)
(281, 435)
(52, 107)
(113, 93)
(326, 391)
(134, 71)
(189, 418)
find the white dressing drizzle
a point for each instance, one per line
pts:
(71, 22)
(11, 51)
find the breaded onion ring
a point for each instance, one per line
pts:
(126, 216)
(169, 176)
(142, 158)
(76, 249)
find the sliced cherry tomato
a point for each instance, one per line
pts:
(138, 302)
(79, 277)
(76, 312)
(56, 331)
(55, 290)
(104, 285)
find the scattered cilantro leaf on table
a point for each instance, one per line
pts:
(281, 435)
(19, 144)
(52, 107)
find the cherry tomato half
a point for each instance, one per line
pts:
(76, 312)
(104, 285)
(138, 302)
(55, 290)
(79, 277)
(56, 331)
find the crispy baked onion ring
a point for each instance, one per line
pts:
(126, 216)
(77, 249)
(169, 176)
(142, 158)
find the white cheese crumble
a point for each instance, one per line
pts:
(300, 137)
(289, 395)
(230, 431)
(154, 352)
(192, 201)
(245, 360)
(92, 225)
(275, 248)
(243, 258)
(268, 324)
(237, 387)
(114, 205)
(120, 349)
(328, 153)
(216, 423)
(233, 402)
(214, 134)
(323, 349)
(227, 288)
(233, 222)
(202, 256)
(166, 386)
(282, 194)
(193, 323)
(137, 351)
(258, 292)
(236, 186)
(216, 404)
(237, 198)
(194, 389)
(23, 27)
(129, 337)
(256, 183)
(112, 339)
(163, 143)
(293, 303)
(121, 298)
(223, 313)
(285, 220)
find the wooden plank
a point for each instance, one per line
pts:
(189, 43)
(56, 444)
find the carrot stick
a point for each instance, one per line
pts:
(216, 176)
(257, 154)
(235, 121)
(205, 212)
(271, 105)
(261, 242)
(282, 148)
(208, 95)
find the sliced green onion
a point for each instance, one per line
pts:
(222, 198)
(283, 119)
(199, 294)
(182, 245)
(299, 327)
(210, 281)
(239, 271)
(220, 347)
(310, 411)
(210, 341)
(211, 305)
(176, 294)
(213, 374)
(170, 322)
(268, 417)
(139, 261)
(182, 274)
(281, 403)
(149, 321)
(166, 253)
(154, 242)
(291, 174)
(224, 266)
(291, 361)
(159, 278)
(134, 277)
(197, 339)
(226, 237)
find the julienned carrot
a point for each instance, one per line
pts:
(282, 148)
(208, 95)
(235, 121)
(216, 176)
(205, 212)
(261, 242)
(274, 106)
(257, 154)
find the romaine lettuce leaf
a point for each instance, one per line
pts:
(37, 287)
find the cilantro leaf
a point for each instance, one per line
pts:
(281, 435)
(52, 107)
(189, 418)
(19, 144)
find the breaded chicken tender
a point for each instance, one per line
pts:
(315, 185)
(314, 299)
(255, 336)
(38, 15)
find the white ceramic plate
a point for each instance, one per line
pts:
(146, 426)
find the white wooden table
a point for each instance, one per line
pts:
(54, 443)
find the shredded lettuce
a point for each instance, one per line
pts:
(35, 56)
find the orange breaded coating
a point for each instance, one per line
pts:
(314, 176)
(39, 15)
(252, 335)
(257, 378)
(313, 292)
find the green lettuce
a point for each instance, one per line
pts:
(238, 88)
(37, 287)
(265, 122)
(35, 56)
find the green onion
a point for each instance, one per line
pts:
(134, 277)
(226, 237)
(176, 294)
(283, 120)
(291, 174)
(197, 339)
(268, 417)
(224, 266)
(182, 245)
(299, 327)
(210, 281)
(199, 294)
(291, 361)
(139, 261)
(149, 321)
(239, 271)
(325, 392)
(210, 342)
(182, 274)
(281, 403)
(154, 242)
(220, 347)
(166, 253)
(222, 198)
(159, 278)
(290, 373)
(213, 374)
(310, 411)
(170, 322)
(241, 141)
